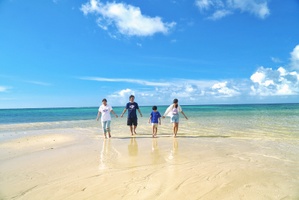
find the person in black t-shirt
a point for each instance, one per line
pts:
(132, 106)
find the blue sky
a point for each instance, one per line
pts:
(64, 53)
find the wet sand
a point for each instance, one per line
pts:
(80, 164)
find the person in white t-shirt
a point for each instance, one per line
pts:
(173, 112)
(105, 110)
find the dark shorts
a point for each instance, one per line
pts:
(132, 121)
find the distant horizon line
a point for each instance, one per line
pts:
(216, 104)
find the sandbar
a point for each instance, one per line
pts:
(79, 164)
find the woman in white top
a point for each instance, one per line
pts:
(173, 112)
(105, 110)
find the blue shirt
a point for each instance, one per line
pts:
(155, 116)
(131, 107)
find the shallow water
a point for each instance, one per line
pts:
(276, 121)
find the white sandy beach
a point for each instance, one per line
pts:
(79, 164)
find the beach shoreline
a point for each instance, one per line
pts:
(77, 163)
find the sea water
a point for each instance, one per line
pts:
(252, 120)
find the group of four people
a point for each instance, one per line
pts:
(155, 117)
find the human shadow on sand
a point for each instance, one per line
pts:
(170, 136)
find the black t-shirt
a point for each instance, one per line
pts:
(131, 107)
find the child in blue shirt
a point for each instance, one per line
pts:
(155, 119)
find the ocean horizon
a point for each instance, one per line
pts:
(52, 114)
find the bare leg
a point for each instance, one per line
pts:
(153, 131)
(135, 129)
(104, 126)
(131, 129)
(108, 131)
(176, 128)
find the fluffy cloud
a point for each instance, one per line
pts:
(264, 84)
(207, 4)
(125, 92)
(225, 89)
(187, 90)
(218, 14)
(222, 8)
(121, 96)
(127, 19)
(258, 8)
(269, 82)
(295, 58)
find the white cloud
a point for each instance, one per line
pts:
(39, 83)
(190, 88)
(224, 89)
(218, 14)
(258, 77)
(125, 92)
(269, 82)
(120, 97)
(207, 4)
(137, 81)
(127, 19)
(276, 60)
(295, 58)
(187, 90)
(264, 84)
(256, 7)
(3, 89)
(204, 4)
(222, 8)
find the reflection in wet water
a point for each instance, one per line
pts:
(155, 153)
(108, 154)
(133, 147)
(174, 150)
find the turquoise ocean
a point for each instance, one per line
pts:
(250, 120)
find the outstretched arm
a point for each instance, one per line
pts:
(114, 113)
(184, 115)
(123, 112)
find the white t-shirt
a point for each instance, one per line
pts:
(105, 110)
(170, 109)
